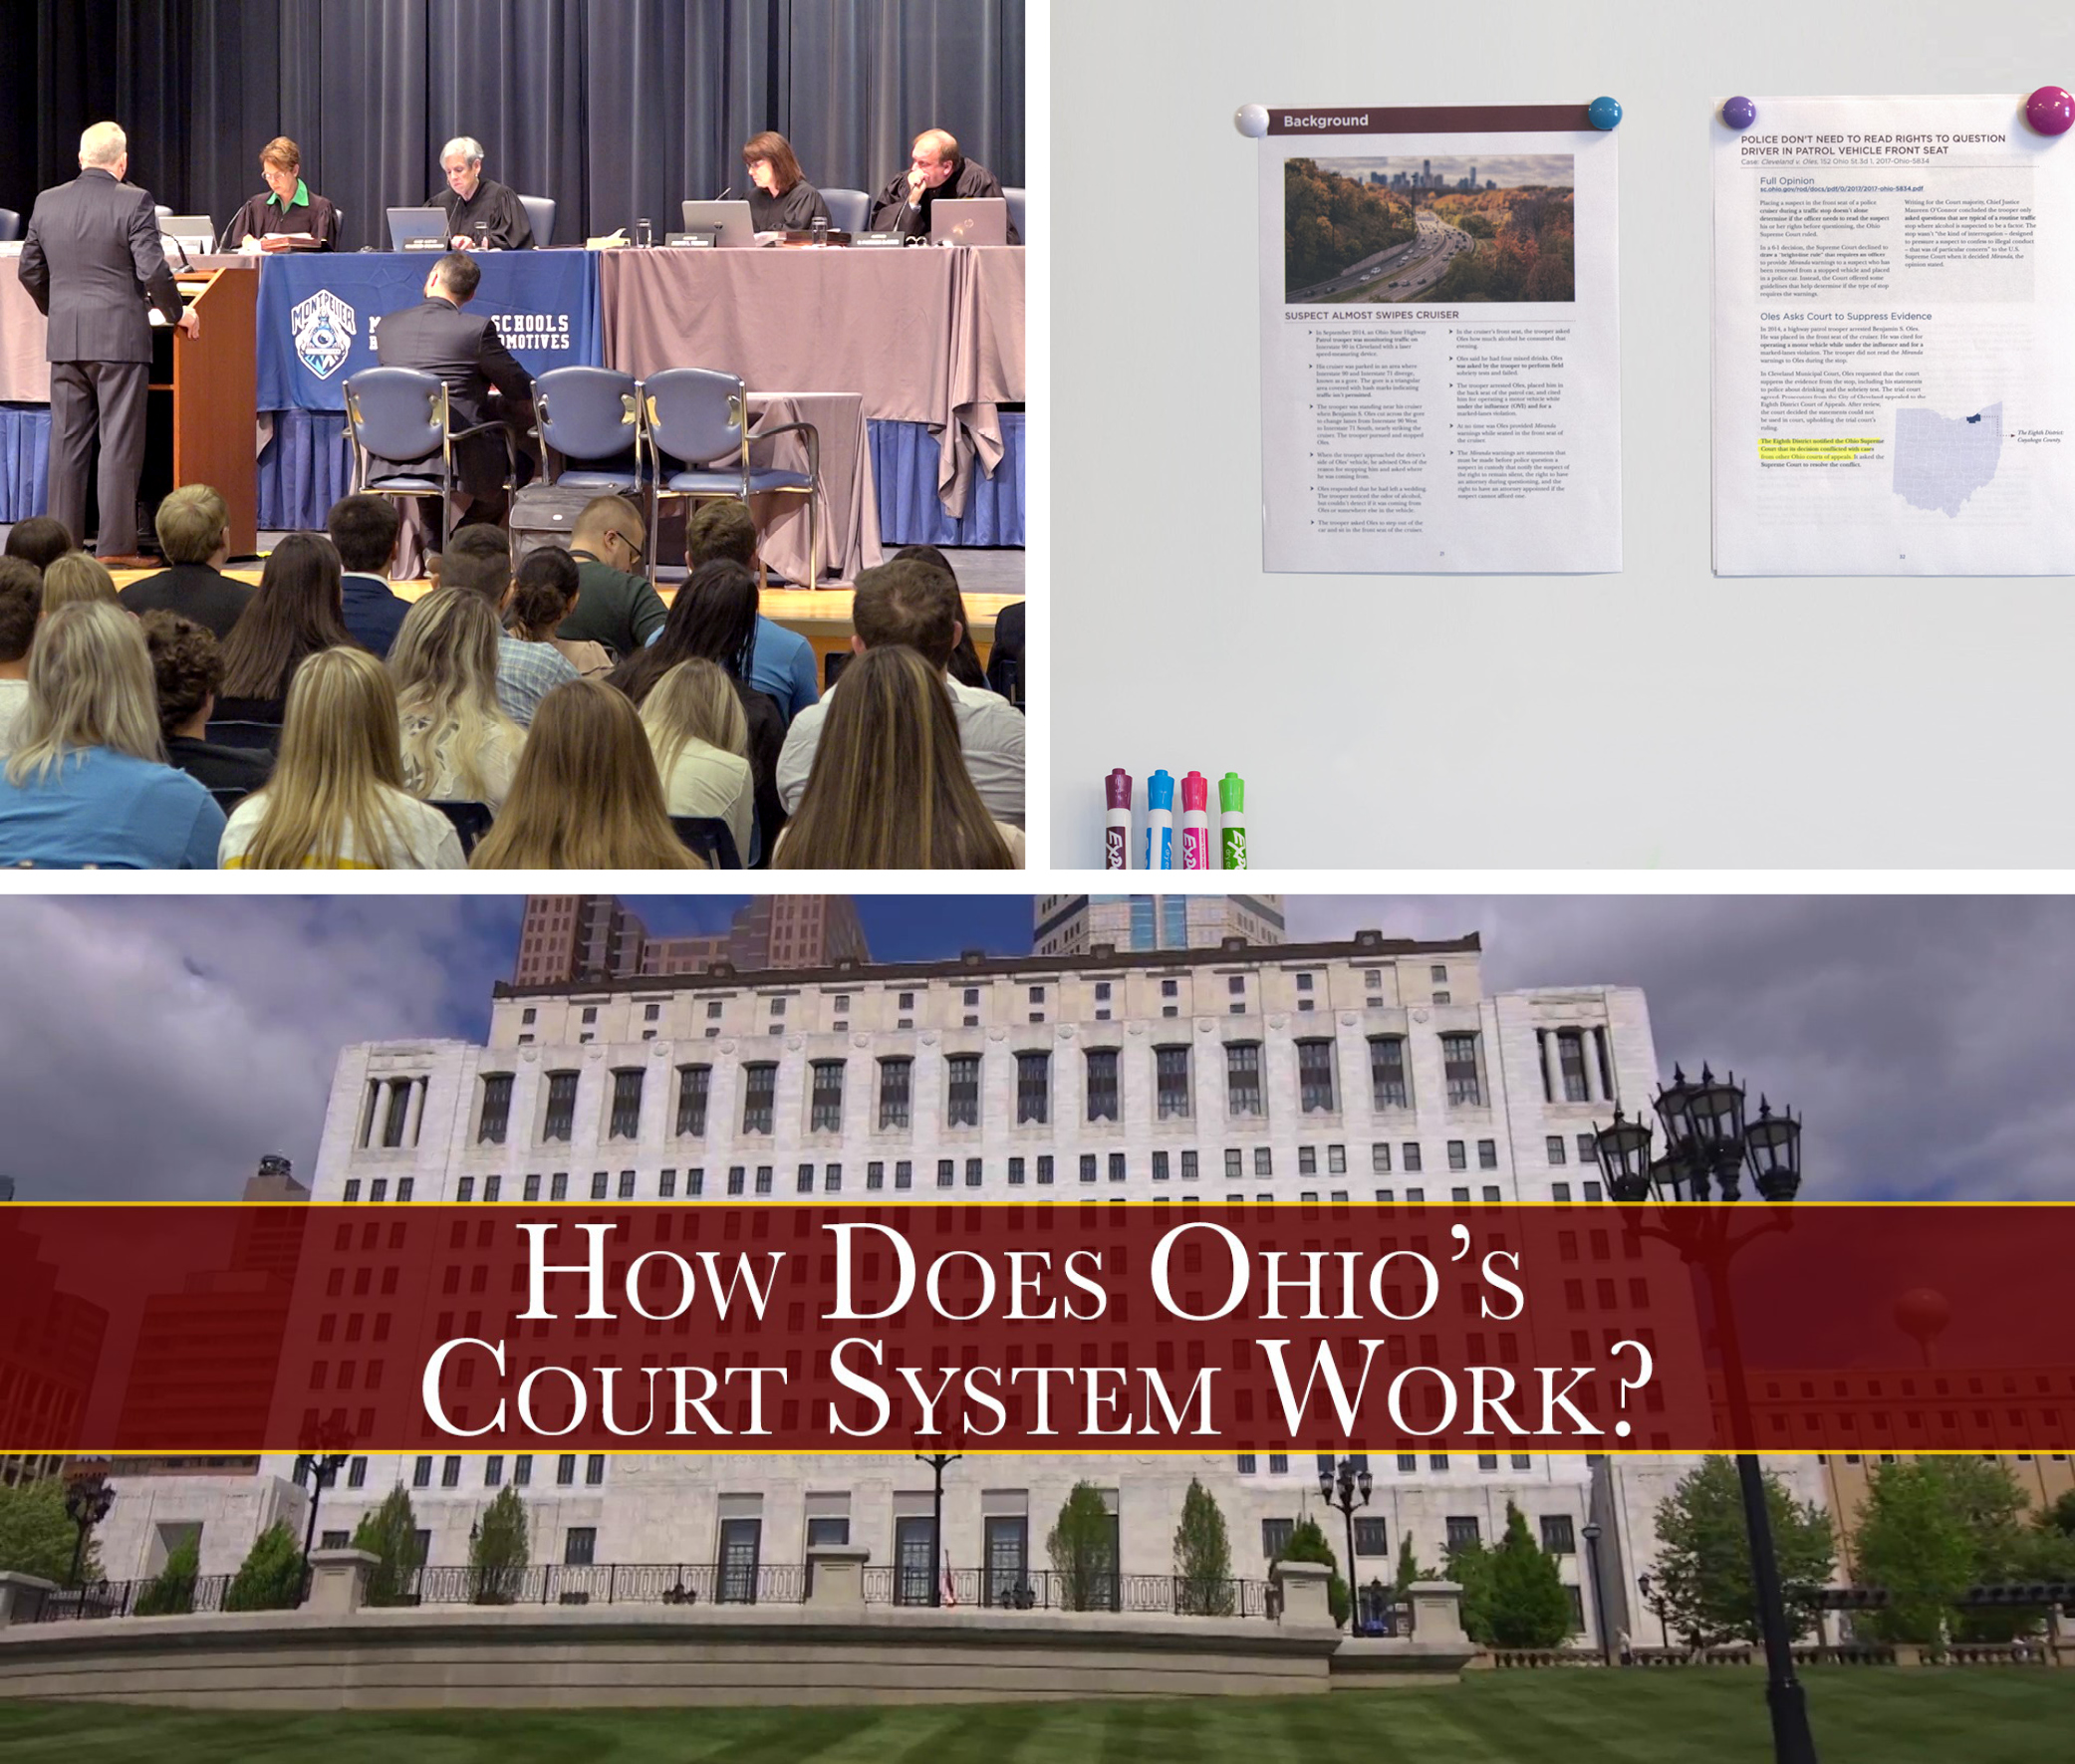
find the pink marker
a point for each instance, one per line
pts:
(1117, 834)
(1196, 822)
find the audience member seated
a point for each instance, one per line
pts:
(86, 785)
(913, 604)
(890, 789)
(784, 669)
(21, 604)
(780, 197)
(587, 795)
(543, 593)
(295, 613)
(187, 663)
(701, 742)
(1005, 654)
(964, 665)
(715, 618)
(615, 606)
(40, 540)
(194, 533)
(364, 532)
(337, 799)
(479, 560)
(78, 576)
(459, 745)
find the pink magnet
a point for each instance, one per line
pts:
(2050, 110)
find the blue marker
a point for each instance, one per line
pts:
(1160, 822)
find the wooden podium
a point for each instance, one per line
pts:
(201, 421)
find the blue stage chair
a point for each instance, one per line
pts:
(698, 418)
(1016, 220)
(399, 416)
(850, 211)
(540, 217)
(592, 416)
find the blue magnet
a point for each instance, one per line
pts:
(1740, 114)
(1603, 113)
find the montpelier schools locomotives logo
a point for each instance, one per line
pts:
(324, 330)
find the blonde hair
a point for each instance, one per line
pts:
(587, 794)
(694, 701)
(90, 685)
(337, 750)
(890, 789)
(445, 665)
(77, 576)
(191, 524)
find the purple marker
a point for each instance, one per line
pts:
(1117, 831)
(1160, 822)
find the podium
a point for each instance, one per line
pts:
(199, 426)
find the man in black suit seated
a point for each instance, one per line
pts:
(935, 169)
(466, 352)
(188, 669)
(89, 260)
(194, 533)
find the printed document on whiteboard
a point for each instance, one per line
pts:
(1894, 339)
(1440, 341)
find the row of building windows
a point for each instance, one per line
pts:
(1317, 1081)
(1371, 1534)
(1408, 1462)
(1041, 1172)
(449, 1472)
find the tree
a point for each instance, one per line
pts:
(271, 1575)
(1529, 1606)
(1202, 1556)
(391, 1534)
(1082, 1548)
(1469, 1566)
(36, 1536)
(1704, 1556)
(1934, 1527)
(1410, 1567)
(172, 1592)
(497, 1555)
(1308, 1544)
(2060, 1517)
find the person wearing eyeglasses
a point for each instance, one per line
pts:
(615, 606)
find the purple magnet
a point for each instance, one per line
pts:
(1740, 114)
(2050, 110)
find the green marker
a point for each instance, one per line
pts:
(1231, 804)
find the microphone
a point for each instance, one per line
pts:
(726, 194)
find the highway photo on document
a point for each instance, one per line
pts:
(1448, 229)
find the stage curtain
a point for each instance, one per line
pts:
(614, 109)
(24, 459)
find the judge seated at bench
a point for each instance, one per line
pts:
(287, 210)
(481, 214)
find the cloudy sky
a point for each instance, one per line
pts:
(157, 1047)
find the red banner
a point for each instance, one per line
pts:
(171, 1329)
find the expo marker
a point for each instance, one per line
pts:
(1196, 822)
(1117, 831)
(1231, 799)
(1160, 822)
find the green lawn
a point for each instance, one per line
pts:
(1862, 1716)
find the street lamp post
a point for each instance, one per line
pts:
(87, 1499)
(323, 1470)
(1599, 1602)
(938, 1463)
(1654, 1600)
(1345, 1490)
(1709, 1148)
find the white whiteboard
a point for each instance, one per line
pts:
(1658, 717)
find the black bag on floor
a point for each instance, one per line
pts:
(545, 514)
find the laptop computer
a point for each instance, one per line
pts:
(729, 221)
(976, 220)
(415, 228)
(195, 233)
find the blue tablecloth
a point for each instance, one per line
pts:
(317, 314)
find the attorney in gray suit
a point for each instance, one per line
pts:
(91, 261)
